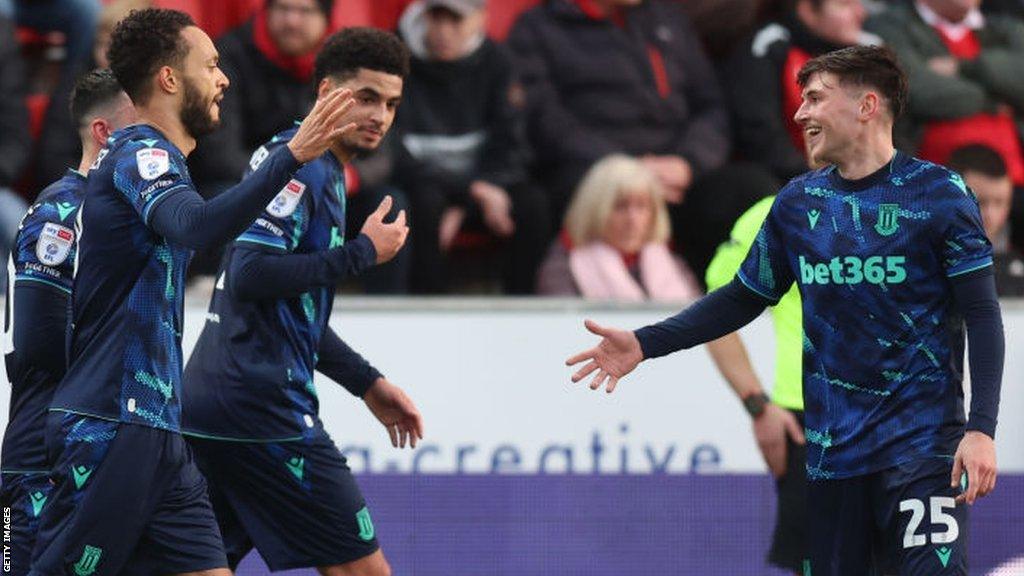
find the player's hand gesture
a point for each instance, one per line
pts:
(976, 455)
(387, 239)
(393, 408)
(614, 357)
(323, 125)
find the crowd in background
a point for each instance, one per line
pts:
(602, 148)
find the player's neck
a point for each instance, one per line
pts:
(89, 154)
(169, 124)
(866, 158)
(342, 153)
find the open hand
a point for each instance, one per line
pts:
(976, 455)
(616, 355)
(393, 408)
(322, 126)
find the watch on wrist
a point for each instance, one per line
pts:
(755, 404)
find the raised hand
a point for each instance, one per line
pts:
(616, 355)
(387, 239)
(322, 126)
(976, 455)
(393, 408)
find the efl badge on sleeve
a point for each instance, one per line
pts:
(153, 162)
(287, 200)
(54, 244)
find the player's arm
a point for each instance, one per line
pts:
(262, 274)
(39, 326)
(339, 362)
(975, 296)
(176, 211)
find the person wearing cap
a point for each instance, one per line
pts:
(459, 154)
(269, 60)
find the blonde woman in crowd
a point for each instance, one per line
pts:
(614, 245)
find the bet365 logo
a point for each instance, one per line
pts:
(854, 270)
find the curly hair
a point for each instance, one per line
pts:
(873, 66)
(93, 90)
(345, 52)
(142, 43)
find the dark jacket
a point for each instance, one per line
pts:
(457, 124)
(261, 101)
(15, 141)
(754, 85)
(997, 75)
(593, 87)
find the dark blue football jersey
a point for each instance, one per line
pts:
(250, 375)
(42, 257)
(125, 356)
(883, 342)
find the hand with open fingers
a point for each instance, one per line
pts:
(387, 238)
(976, 456)
(393, 408)
(770, 430)
(616, 355)
(324, 124)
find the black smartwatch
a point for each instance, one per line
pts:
(755, 404)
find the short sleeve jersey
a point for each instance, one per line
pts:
(125, 355)
(883, 343)
(250, 376)
(43, 256)
(787, 390)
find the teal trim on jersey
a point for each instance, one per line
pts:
(230, 439)
(41, 281)
(26, 472)
(90, 415)
(153, 203)
(739, 274)
(281, 246)
(978, 267)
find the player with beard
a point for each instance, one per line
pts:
(127, 496)
(39, 293)
(893, 267)
(277, 481)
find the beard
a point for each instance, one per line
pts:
(195, 113)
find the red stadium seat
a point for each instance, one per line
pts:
(501, 14)
(36, 104)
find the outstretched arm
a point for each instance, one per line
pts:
(723, 311)
(975, 296)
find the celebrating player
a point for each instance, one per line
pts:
(127, 495)
(276, 479)
(891, 261)
(37, 311)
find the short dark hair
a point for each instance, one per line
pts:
(93, 90)
(977, 158)
(143, 42)
(345, 52)
(873, 66)
(325, 6)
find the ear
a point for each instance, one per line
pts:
(99, 130)
(870, 105)
(167, 80)
(324, 88)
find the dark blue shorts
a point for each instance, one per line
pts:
(23, 497)
(902, 520)
(296, 502)
(127, 499)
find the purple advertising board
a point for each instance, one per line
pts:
(613, 525)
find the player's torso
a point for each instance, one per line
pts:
(882, 345)
(251, 375)
(44, 253)
(125, 354)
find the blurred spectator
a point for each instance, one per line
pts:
(75, 19)
(629, 76)
(59, 144)
(761, 78)
(966, 74)
(985, 173)
(460, 157)
(269, 61)
(15, 142)
(615, 242)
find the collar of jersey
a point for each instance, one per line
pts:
(875, 178)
